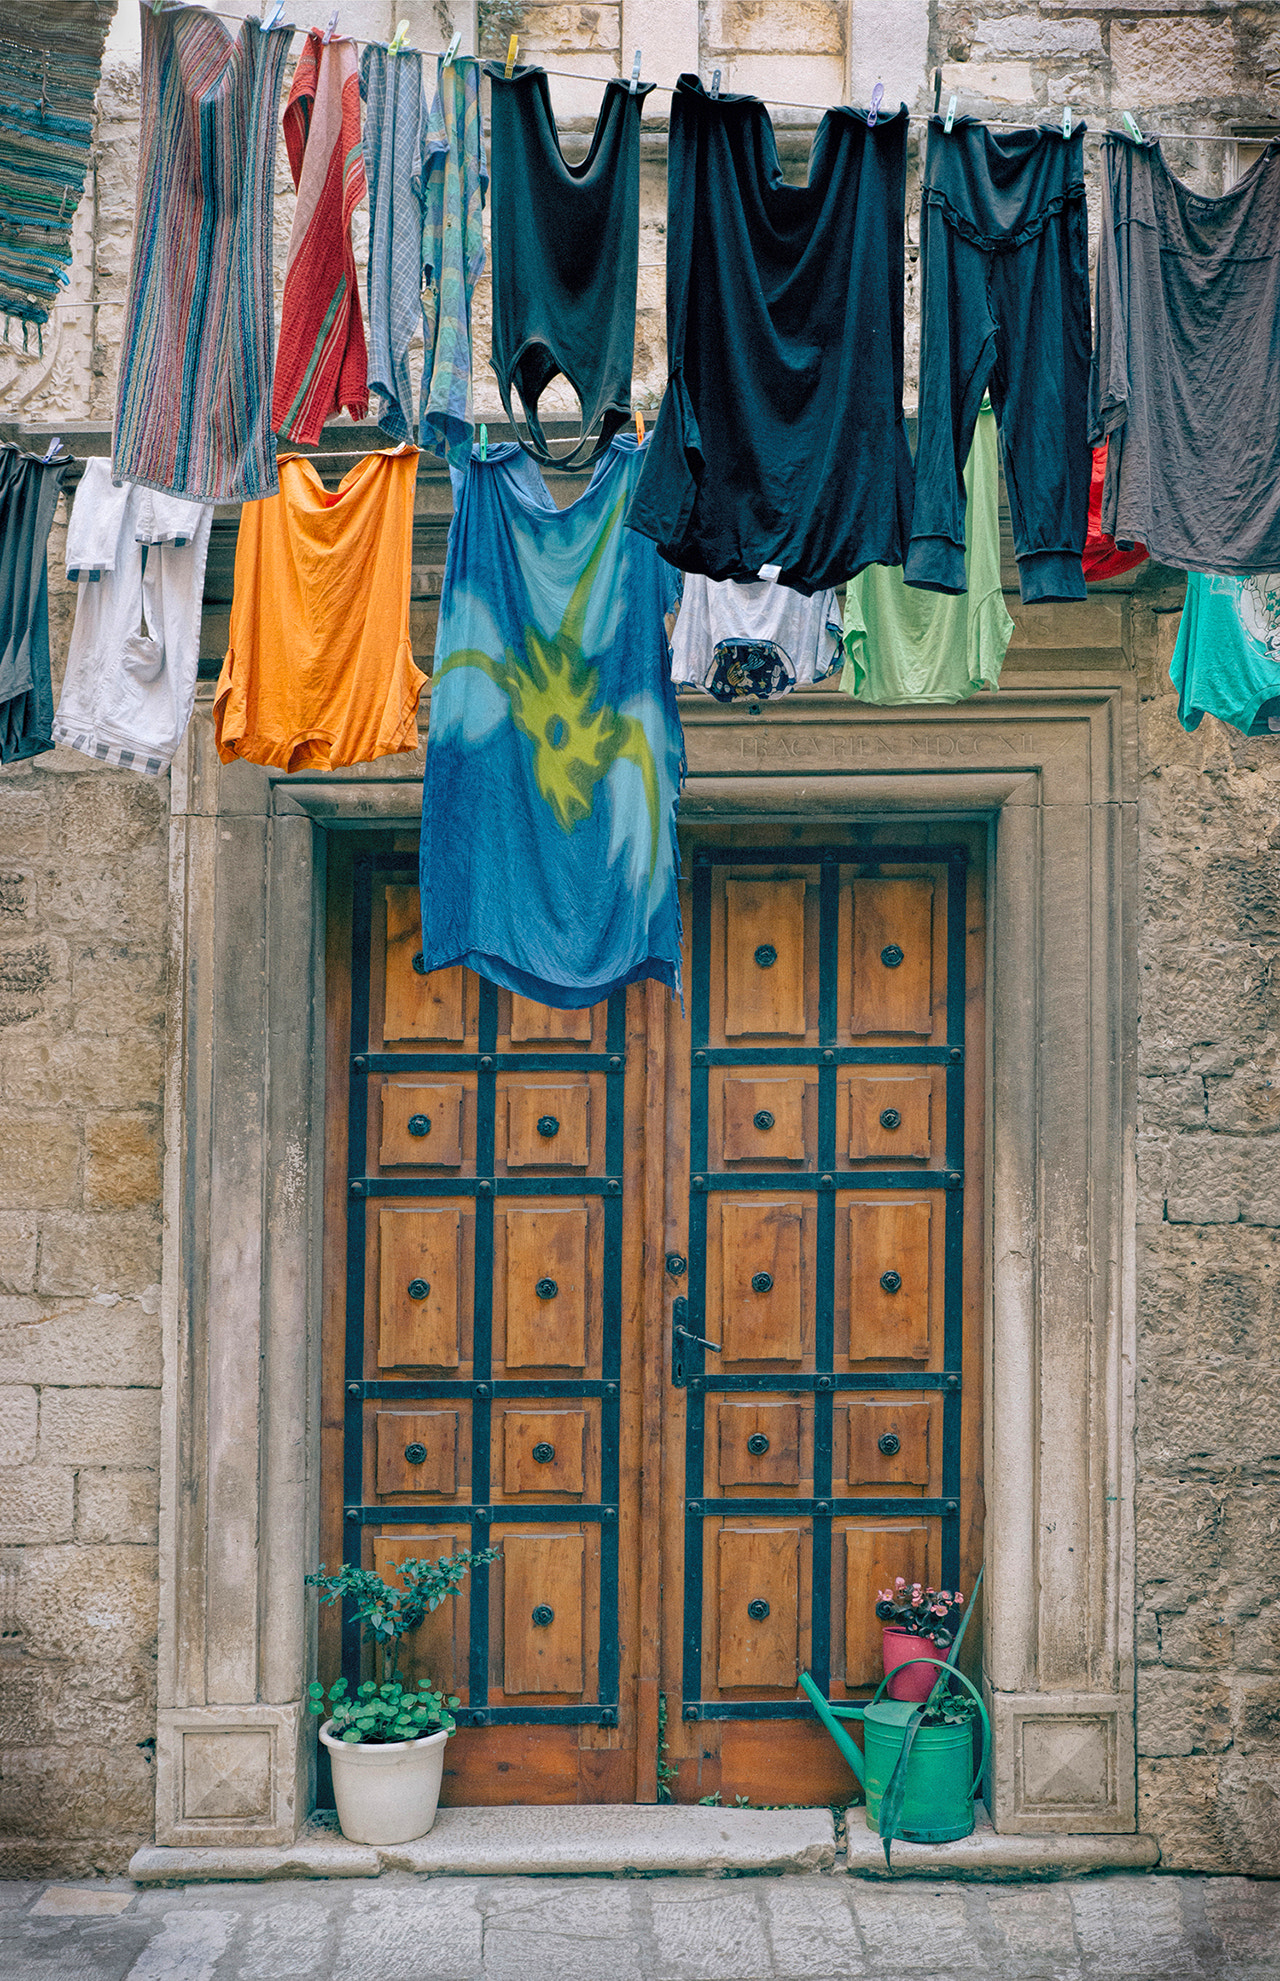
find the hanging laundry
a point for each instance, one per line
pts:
(28, 498)
(554, 752)
(319, 671)
(196, 355)
(1102, 559)
(454, 180)
(127, 693)
(321, 367)
(395, 121)
(1186, 366)
(1226, 661)
(780, 441)
(906, 645)
(1004, 261)
(50, 67)
(752, 641)
(566, 252)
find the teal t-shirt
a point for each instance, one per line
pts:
(1227, 658)
(905, 645)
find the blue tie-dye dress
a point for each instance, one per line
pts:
(554, 751)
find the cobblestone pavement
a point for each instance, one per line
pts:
(818, 1927)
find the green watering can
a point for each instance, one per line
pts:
(938, 1805)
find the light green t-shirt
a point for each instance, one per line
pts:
(913, 646)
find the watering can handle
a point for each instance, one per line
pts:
(957, 1673)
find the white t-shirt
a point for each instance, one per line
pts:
(752, 641)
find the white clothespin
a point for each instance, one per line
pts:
(715, 82)
(1131, 126)
(513, 49)
(951, 115)
(332, 28)
(54, 448)
(873, 114)
(635, 75)
(396, 45)
(1066, 120)
(451, 52)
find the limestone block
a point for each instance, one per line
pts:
(100, 1426)
(989, 82)
(1211, 1291)
(95, 1604)
(123, 1154)
(24, 819)
(550, 29)
(109, 1251)
(117, 1506)
(1200, 1635)
(103, 1340)
(1182, 1712)
(118, 986)
(1178, 1805)
(1260, 1181)
(1206, 996)
(1179, 1532)
(1256, 1639)
(28, 972)
(36, 1503)
(1209, 1414)
(18, 1253)
(791, 78)
(228, 1774)
(1177, 1101)
(1179, 59)
(1243, 894)
(1252, 1537)
(39, 1159)
(1257, 1715)
(1025, 34)
(1152, 1151)
(1203, 1184)
(19, 1418)
(113, 1070)
(742, 26)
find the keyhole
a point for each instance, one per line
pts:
(415, 1453)
(544, 1452)
(548, 1126)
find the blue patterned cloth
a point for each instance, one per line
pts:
(455, 178)
(1227, 658)
(554, 752)
(395, 128)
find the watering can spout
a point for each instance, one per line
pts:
(827, 1714)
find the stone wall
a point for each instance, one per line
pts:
(83, 900)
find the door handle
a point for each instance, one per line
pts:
(681, 1333)
(701, 1339)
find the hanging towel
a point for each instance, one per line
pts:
(454, 179)
(907, 645)
(28, 497)
(754, 641)
(1226, 661)
(196, 356)
(395, 119)
(566, 244)
(319, 672)
(322, 366)
(130, 683)
(554, 751)
(780, 441)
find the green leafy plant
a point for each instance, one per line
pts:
(391, 1711)
(922, 1612)
(666, 1773)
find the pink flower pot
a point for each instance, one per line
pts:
(917, 1682)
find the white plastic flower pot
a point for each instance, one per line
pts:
(386, 1793)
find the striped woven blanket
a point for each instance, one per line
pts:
(50, 65)
(322, 364)
(192, 417)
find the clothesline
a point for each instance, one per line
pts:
(774, 102)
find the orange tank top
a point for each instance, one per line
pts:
(319, 671)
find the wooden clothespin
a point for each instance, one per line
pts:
(332, 28)
(1066, 120)
(635, 75)
(512, 49)
(873, 114)
(951, 114)
(451, 52)
(1131, 125)
(484, 431)
(396, 44)
(715, 82)
(639, 428)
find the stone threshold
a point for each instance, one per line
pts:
(639, 1840)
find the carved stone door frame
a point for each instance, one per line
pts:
(1051, 769)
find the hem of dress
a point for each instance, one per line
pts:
(560, 997)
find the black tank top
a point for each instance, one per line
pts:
(565, 245)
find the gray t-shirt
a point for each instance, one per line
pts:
(1186, 362)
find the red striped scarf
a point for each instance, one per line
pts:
(321, 364)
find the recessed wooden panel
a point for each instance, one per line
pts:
(763, 1121)
(744, 1428)
(874, 1557)
(889, 1115)
(893, 956)
(888, 1241)
(764, 996)
(418, 1249)
(437, 1650)
(760, 1242)
(420, 1125)
(541, 1573)
(528, 1436)
(417, 1451)
(547, 1126)
(546, 1250)
(759, 1567)
(531, 1021)
(904, 1428)
(417, 1007)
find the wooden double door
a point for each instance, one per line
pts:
(678, 1311)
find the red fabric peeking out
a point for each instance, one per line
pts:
(1101, 558)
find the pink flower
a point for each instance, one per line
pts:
(899, 1582)
(943, 1597)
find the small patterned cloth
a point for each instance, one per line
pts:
(455, 178)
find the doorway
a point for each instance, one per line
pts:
(681, 1312)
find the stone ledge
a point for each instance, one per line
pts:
(996, 1859)
(610, 1840)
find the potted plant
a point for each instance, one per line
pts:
(386, 1744)
(911, 1613)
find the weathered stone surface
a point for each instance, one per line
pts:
(19, 1423)
(1180, 59)
(1182, 1713)
(117, 1506)
(1235, 1422)
(95, 1604)
(1025, 34)
(36, 1503)
(39, 1160)
(100, 1426)
(611, 1838)
(104, 1339)
(813, 25)
(99, 1251)
(123, 1154)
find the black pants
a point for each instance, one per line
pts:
(1004, 249)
